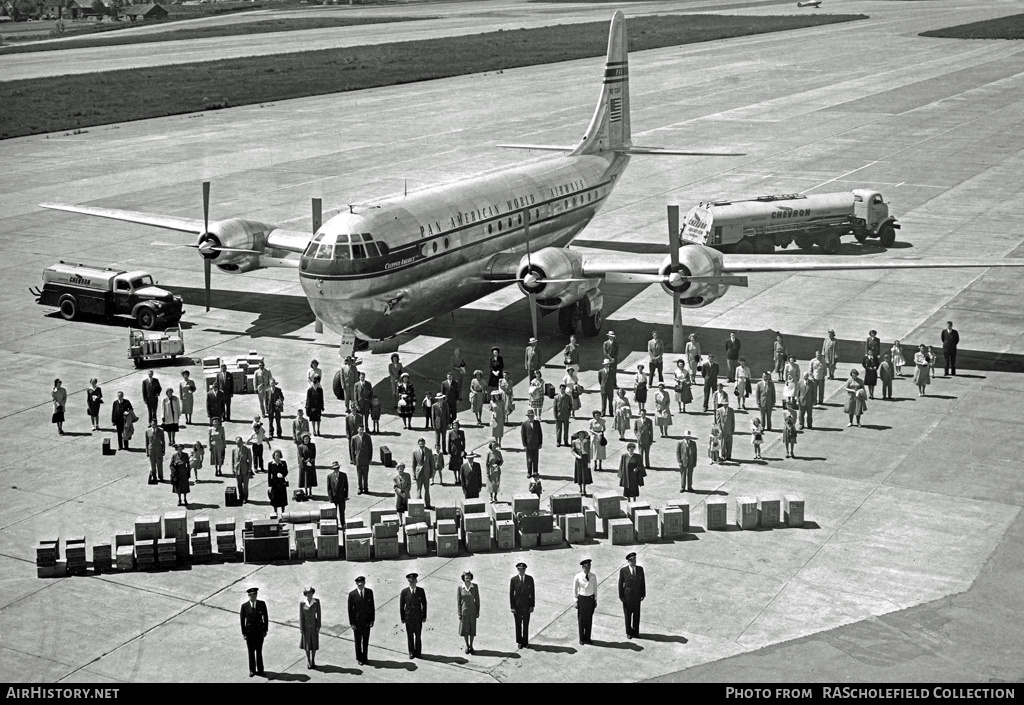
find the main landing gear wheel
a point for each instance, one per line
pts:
(569, 318)
(804, 242)
(830, 244)
(146, 319)
(743, 247)
(592, 320)
(763, 245)
(68, 308)
(887, 235)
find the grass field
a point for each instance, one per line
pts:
(1010, 27)
(223, 30)
(36, 106)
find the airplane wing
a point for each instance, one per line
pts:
(168, 222)
(543, 147)
(818, 263)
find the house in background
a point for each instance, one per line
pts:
(145, 12)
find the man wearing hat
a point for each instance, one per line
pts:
(686, 456)
(606, 378)
(562, 409)
(532, 437)
(521, 597)
(179, 468)
(655, 351)
(611, 351)
(241, 464)
(533, 361)
(412, 608)
(156, 446)
(362, 449)
(472, 477)
(643, 429)
(349, 377)
(361, 613)
(261, 378)
(709, 371)
(496, 367)
(255, 622)
(353, 422)
(337, 491)
(440, 418)
(423, 470)
(300, 426)
(275, 407)
(584, 591)
(632, 591)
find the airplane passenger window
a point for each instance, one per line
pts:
(489, 229)
(520, 218)
(510, 222)
(567, 203)
(434, 246)
(499, 226)
(573, 201)
(446, 243)
(536, 214)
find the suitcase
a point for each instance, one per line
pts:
(549, 390)
(385, 457)
(230, 497)
(107, 450)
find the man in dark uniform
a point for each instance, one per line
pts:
(337, 491)
(451, 390)
(632, 591)
(532, 437)
(562, 408)
(255, 623)
(584, 591)
(412, 608)
(227, 386)
(521, 596)
(215, 402)
(117, 412)
(364, 395)
(709, 371)
(361, 614)
(362, 449)
(950, 339)
(353, 422)
(151, 395)
(472, 477)
(732, 355)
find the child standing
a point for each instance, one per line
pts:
(195, 458)
(535, 486)
(375, 413)
(756, 437)
(897, 358)
(427, 404)
(715, 444)
(789, 436)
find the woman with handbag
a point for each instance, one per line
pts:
(60, 400)
(580, 447)
(93, 399)
(742, 390)
(622, 413)
(497, 416)
(402, 485)
(510, 403)
(406, 399)
(922, 369)
(186, 393)
(682, 377)
(663, 409)
(640, 388)
(856, 398)
(195, 458)
(575, 389)
(218, 445)
(277, 481)
(598, 442)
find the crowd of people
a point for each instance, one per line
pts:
(491, 402)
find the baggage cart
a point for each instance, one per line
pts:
(147, 345)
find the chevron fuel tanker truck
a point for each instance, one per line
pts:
(761, 224)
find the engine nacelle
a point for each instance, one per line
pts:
(236, 234)
(696, 261)
(553, 263)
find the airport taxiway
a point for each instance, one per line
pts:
(916, 538)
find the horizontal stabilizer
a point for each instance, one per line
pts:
(542, 147)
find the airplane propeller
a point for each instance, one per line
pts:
(673, 253)
(532, 298)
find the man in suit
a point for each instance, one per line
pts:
(611, 351)
(686, 456)
(151, 394)
(423, 470)
(275, 407)
(562, 407)
(644, 431)
(764, 395)
(885, 376)
(532, 437)
(117, 412)
(241, 464)
(361, 614)
(829, 354)
(806, 395)
(353, 422)
(451, 389)
(532, 359)
(349, 377)
(412, 608)
(337, 491)
(156, 446)
(261, 378)
(364, 395)
(632, 591)
(440, 418)
(709, 371)
(227, 385)
(818, 369)
(732, 355)
(472, 477)
(606, 379)
(521, 597)
(655, 351)
(255, 622)
(584, 592)
(950, 340)
(362, 447)
(215, 402)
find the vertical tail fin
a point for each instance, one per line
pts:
(609, 128)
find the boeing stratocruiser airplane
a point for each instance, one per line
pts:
(377, 271)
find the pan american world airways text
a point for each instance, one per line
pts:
(863, 693)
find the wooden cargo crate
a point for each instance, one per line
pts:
(327, 547)
(574, 527)
(473, 506)
(793, 509)
(717, 514)
(447, 527)
(619, 530)
(684, 506)
(445, 512)
(566, 503)
(746, 512)
(528, 540)
(501, 511)
(416, 544)
(478, 541)
(476, 522)
(417, 510)
(590, 522)
(555, 537)
(328, 511)
(385, 531)
(328, 527)
(768, 512)
(633, 507)
(447, 545)
(672, 523)
(608, 505)
(357, 549)
(645, 525)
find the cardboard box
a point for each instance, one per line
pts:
(417, 510)
(746, 512)
(267, 549)
(328, 527)
(53, 541)
(327, 547)
(645, 525)
(608, 504)
(304, 532)
(682, 505)
(175, 524)
(525, 503)
(357, 549)
(385, 547)
(377, 514)
(555, 537)
(59, 570)
(566, 503)
(328, 511)
(478, 541)
(147, 528)
(505, 534)
(528, 540)
(125, 559)
(200, 524)
(416, 528)
(574, 527)
(356, 523)
(447, 527)
(590, 522)
(385, 531)
(620, 531)
(769, 510)
(501, 511)
(474, 506)
(447, 545)
(262, 528)
(46, 555)
(672, 523)
(717, 514)
(793, 510)
(476, 522)
(416, 544)
(123, 538)
(444, 512)
(358, 534)
(225, 524)
(393, 519)
(633, 507)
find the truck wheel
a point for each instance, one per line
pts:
(763, 245)
(743, 247)
(591, 320)
(887, 234)
(860, 234)
(146, 319)
(805, 242)
(830, 244)
(68, 308)
(569, 318)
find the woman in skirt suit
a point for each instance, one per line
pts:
(572, 385)
(682, 378)
(218, 445)
(498, 407)
(59, 395)
(663, 409)
(93, 399)
(406, 399)
(580, 448)
(598, 450)
(640, 388)
(186, 393)
(623, 413)
(468, 605)
(922, 369)
(309, 626)
(307, 464)
(277, 480)
(477, 395)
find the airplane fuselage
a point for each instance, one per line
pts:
(384, 268)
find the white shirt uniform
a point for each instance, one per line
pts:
(584, 585)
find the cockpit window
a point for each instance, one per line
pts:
(325, 252)
(311, 248)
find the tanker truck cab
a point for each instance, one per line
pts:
(77, 289)
(871, 212)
